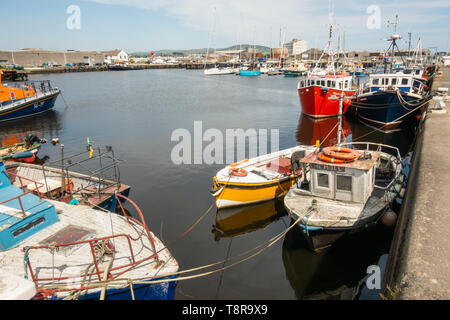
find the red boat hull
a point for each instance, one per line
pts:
(316, 102)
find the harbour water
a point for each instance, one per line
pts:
(136, 112)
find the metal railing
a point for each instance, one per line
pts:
(23, 190)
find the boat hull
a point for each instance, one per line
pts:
(239, 194)
(384, 108)
(157, 291)
(317, 102)
(249, 73)
(28, 107)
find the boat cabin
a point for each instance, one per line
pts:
(350, 182)
(328, 82)
(386, 81)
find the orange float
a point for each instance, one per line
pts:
(341, 153)
(238, 172)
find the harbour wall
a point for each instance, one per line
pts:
(418, 267)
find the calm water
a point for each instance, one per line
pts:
(136, 113)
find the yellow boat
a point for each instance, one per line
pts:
(258, 179)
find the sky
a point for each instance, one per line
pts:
(144, 25)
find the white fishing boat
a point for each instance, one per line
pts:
(346, 188)
(76, 252)
(258, 179)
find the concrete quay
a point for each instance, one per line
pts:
(418, 267)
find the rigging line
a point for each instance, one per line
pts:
(391, 121)
(221, 274)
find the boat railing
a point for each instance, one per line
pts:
(379, 147)
(113, 272)
(22, 187)
(373, 146)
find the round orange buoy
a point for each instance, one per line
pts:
(341, 153)
(329, 159)
(69, 185)
(238, 172)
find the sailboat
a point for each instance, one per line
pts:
(216, 70)
(345, 188)
(318, 87)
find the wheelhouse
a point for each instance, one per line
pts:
(327, 82)
(403, 82)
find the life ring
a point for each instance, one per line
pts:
(238, 172)
(341, 153)
(329, 159)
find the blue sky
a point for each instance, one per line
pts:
(143, 25)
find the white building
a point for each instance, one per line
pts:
(296, 47)
(115, 56)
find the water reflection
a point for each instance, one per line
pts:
(337, 272)
(48, 123)
(231, 222)
(309, 130)
(402, 139)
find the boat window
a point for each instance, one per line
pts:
(322, 83)
(322, 180)
(386, 81)
(394, 81)
(404, 81)
(329, 83)
(333, 84)
(340, 84)
(302, 84)
(344, 183)
(375, 82)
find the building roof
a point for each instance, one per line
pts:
(112, 52)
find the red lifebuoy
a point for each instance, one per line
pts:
(238, 172)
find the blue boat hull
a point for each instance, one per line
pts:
(385, 109)
(158, 291)
(249, 73)
(29, 108)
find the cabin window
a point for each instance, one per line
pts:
(322, 83)
(340, 84)
(394, 81)
(375, 82)
(302, 84)
(343, 183)
(322, 180)
(329, 83)
(404, 81)
(333, 84)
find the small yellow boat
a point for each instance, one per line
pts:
(258, 179)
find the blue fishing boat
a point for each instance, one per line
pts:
(76, 252)
(29, 99)
(393, 97)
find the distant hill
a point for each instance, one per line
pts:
(168, 52)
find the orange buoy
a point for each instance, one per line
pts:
(69, 185)
(238, 172)
(329, 159)
(341, 153)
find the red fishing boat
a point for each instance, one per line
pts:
(320, 90)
